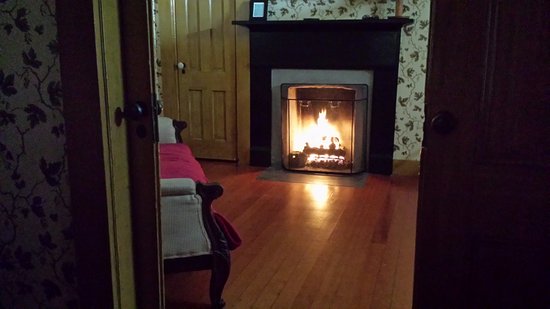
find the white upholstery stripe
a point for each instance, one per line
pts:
(177, 186)
(183, 232)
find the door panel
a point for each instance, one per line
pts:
(195, 115)
(204, 92)
(504, 124)
(219, 109)
(483, 230)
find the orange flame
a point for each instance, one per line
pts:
(317, 134)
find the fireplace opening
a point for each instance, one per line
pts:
(324, 127)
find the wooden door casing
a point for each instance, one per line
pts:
(111, 85)
(116, 267)
(203, 93)
(483, 229)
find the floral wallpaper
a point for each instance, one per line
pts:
(37, 267)
(157, 69)
(414, 49)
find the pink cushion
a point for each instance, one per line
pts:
(177, 161)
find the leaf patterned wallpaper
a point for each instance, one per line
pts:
(414, 49)
(36, 242)
(157, 69)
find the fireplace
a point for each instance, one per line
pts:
(324, 127)
(371, 45)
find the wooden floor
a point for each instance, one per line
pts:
(311, 246)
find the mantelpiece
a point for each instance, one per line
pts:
(368, 24)
(369, 44)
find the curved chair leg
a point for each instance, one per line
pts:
(221, 261)
(220, 273)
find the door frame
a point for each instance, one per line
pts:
(242, 87)
(97, 271)
(81, 99)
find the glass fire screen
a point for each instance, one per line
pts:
(324, 127)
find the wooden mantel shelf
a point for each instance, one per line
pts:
(392, 23)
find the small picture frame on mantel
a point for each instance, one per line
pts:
(258, 10)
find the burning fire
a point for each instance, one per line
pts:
(320, 140)
(317, 134)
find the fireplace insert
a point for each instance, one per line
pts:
(324, 127)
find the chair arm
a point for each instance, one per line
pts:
(184, 231)
(177, 186)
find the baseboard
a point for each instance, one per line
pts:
(406, 167)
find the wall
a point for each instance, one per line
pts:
(36, 240)
(414, 49)
(157, 69)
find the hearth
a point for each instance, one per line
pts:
(354, 45)
(323, 127)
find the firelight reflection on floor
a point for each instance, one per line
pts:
(319, 194)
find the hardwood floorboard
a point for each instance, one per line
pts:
(405, 268)
(347, 244)
(311, 246)
(361, 250)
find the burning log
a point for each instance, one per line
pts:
(320, 151)
(332, 157)
(332, 165)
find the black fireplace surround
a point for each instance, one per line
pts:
(369, 44)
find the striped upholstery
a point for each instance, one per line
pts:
(183, 232)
